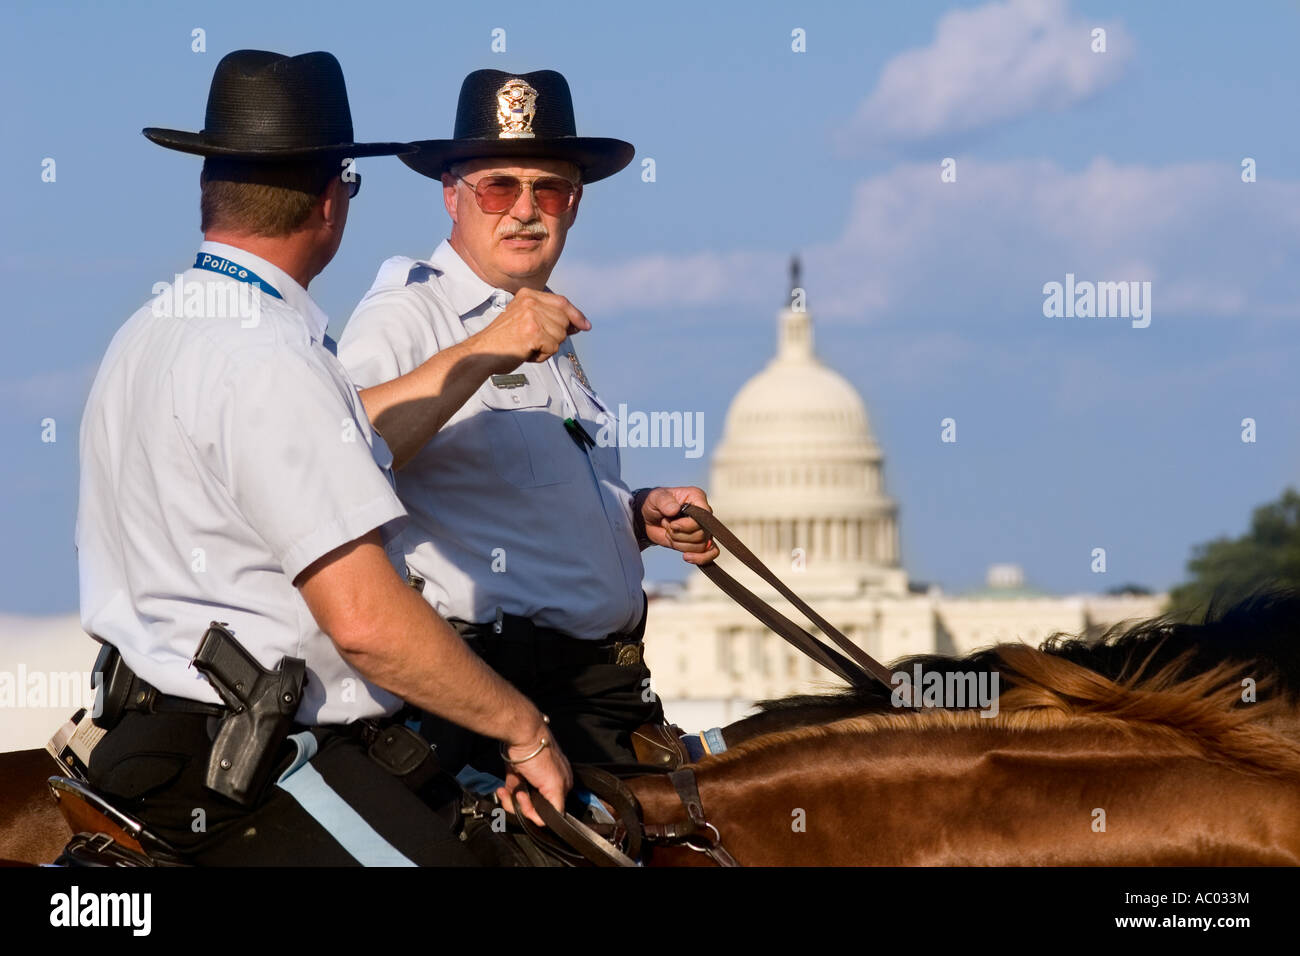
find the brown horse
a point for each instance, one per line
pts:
(1129, 720)
(31, 828)
(1076, 769)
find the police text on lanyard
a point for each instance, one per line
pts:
(205, 260)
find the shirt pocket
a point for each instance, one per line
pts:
(527, 443)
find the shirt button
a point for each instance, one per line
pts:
(515, 399)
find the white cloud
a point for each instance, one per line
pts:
(987, 65)
(988, 242)
(913, 247)
(666, 281)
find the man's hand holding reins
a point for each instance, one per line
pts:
(659, 509)
(543, 765)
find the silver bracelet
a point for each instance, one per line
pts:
(540, 747)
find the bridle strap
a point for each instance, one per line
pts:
(627, 811)
(688, 791)
(861, 662)
(573, 840)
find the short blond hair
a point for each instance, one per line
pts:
(261, 199)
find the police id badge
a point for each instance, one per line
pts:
(577, 370)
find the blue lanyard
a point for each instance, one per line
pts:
(218, 264)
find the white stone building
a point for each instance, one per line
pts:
(798, 478)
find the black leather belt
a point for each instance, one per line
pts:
(147, 698)
(626, 649)
(557, 647)
(120, 690)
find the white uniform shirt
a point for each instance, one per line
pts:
(506, 511)
(220, 456)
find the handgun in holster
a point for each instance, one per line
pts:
(262, 706)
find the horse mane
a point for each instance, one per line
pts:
(1184, 680)
(1260, 631)
(1204, 705)
(1192, 713)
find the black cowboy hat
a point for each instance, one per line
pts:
(268, 106)
(518, 114)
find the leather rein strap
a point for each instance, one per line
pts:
(588, 843)
(575, 841)
(859, 662)
(854, 665)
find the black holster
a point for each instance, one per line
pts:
(112, 681)
(262, 706)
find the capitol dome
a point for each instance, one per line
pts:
(796, 401)
(798, 473)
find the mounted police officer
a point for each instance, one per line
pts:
(523, 531)
(236, 510)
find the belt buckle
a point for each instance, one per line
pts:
(627, 655)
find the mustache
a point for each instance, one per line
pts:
(527, 230)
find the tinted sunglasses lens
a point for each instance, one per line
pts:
(497, 193)
(553, 195)
(354, 185)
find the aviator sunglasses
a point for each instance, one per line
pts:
(498, 193)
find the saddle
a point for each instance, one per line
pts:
(660, 745)
(103, 835)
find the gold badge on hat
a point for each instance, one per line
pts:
(516, 106)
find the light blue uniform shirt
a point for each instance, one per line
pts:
(223, 451)
(506, 510)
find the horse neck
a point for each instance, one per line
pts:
(983, 794)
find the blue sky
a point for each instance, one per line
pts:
(1115, 166)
